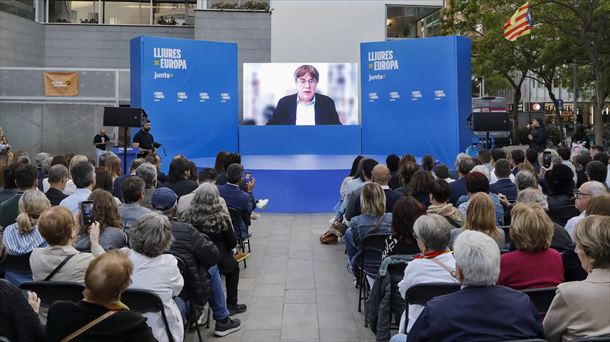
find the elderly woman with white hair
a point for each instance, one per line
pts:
(480, 310)
(435, 264)
(150, 236)
(561, 239)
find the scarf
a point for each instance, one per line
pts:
(431, 255)
(114, 305)
(448, 211)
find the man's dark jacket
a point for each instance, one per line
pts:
(286, 111)
(506, 187)
(458, 188)
(492, 313)
(199, 254)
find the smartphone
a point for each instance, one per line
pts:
(247, 177)
(546, 159)
(87, 216)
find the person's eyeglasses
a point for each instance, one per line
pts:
(578, 193)
(415, 236)
(302, 81)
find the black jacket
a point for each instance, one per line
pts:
(55, 196)
(66, 317)
(225, 241)
(181, 187)
(561, 208)
(286, 111)
(199, 254)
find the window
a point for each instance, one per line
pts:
(412, 21)
(22, 8)
(136, 12)
(173, 13)
(73, 12)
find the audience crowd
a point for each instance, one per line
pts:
(503, 224)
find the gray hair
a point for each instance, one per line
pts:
(151, 235)
(478, 257)
(206, 212)
(148, 172)
(434, 231)
(533, 195)
(43, 161)
(482, 169)
(57, 173)
(104, 156)
(594, 188)
(525, 179)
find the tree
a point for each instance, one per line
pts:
(588, 22)
(493, 55)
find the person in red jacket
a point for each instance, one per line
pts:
(533, 264)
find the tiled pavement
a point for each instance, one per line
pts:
(296, 289)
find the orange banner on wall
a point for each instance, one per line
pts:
(61, 84)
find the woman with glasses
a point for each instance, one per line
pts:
(306, 107)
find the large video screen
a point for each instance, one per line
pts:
(300, 94)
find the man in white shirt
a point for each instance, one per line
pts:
(583, 196)
(306, 107)
(83, 176)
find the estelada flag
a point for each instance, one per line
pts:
(519, 24)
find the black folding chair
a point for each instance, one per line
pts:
(422, 293)
(236, 221)
(507, 240)
(369, 260)
(16, 263)
(144, 301)
(527, 340)
(51, 291)
(541, 298)
(189, 292)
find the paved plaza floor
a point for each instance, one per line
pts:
(296, 289)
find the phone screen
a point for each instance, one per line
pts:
(546, 159)
(86, 213)
(247, 177)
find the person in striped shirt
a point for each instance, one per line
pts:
(22, 236)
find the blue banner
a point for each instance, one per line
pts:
(189, 90)
(416, 96)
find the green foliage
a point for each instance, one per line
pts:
(522, 134)
(555, 134)
(248, 5)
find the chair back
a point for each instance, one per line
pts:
(527, 340)
(422, 293)
(507, 240)
(371, 248)
(144, 301)
(16, 263)
(541, 298)
(397, 303)
(51, 291)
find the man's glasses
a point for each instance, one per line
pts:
(302, 81)
(578, 193)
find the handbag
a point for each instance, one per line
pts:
(336, 230)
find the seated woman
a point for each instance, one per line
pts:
(104, 181)
(207, 216)
(421, 185)
(405, 212)
(150, 236)
(560, 194)
(106, 278)
(480, 216)
(22, 237)
(533, 264)
(434, 265)
(439, 203)
(480, 311)
(373, 220)
(18, 314)
(59, 261)
(107, 215)
(477, 182)
(582, 308)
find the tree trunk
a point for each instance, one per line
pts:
(600, 97)
(514, 114)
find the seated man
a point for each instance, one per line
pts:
(25, 179)
(483, 311)
(237, 198)
(83, 175)
(148, 173)
(133, 195)
(58, 178)
(504, 185)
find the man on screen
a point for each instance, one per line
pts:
(306, 107)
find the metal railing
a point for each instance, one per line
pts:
(109, 87)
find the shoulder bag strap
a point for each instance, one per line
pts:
(61, 264)
(378, 223)
(88, 326)
(443, 265)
